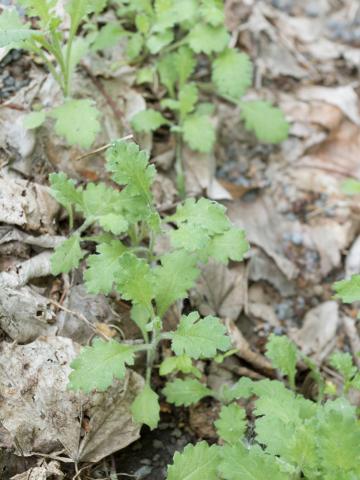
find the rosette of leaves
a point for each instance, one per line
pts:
(125, 262)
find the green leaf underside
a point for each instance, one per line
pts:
(181, 363)
(232, 245)
(148, 120)
(145, 408)
(67, 256)
(351, 187)
(97, 366)
(12, 31)
(240, 463)
(196, 462)
(283, 355)
(64, 191)
(185, 392)
(34, 120)
(176, 275)
(103, 267)
(77, 121)
(231, 425)
(199, 338)
(232, 73)
(348, 290)
(267, 122)
(199, 133)
(207, 39)
(343, 363)
(210, 215)
(134, 280)
(130, 166)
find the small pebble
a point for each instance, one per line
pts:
(145, 461)
(143, 472)
(176, 433)
(158, 444)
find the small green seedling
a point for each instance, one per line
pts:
(126, 262)
(75, 119)
(291, 438)
(185, 46)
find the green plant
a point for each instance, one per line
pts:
(175, 40)
(75, 119)
(126, 262)
(290, 437)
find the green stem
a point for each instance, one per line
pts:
(84, 226)
(179, 168)
(72, 33)
(58, 52)
(47, 62)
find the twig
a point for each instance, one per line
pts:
(80, 316)
(117, 112)
(104, 147)
(244, 350)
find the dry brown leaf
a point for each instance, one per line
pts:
(264, 227)
(221, 290)
(44, 471)
(42, 416)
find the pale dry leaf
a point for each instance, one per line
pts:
(264, 227)
(344, 97)
(94, 308)
(28, 205)
(352, 261)
(221, 290)
(45, 417)
(45, 471)
(318, 333)
(25, 314)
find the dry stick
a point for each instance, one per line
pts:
(104, 147)
(80, 316)
(353, 336)
(244, 350)
(117, 112)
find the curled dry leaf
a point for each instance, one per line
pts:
(42, 416)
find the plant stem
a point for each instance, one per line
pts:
(151, 353)
(179, 168)
(48, 63)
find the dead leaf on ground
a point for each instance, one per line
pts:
(42, 416)
(96, 309)
(265, 228)
(45, 471)
(200, 175)
(221, 290)
(28, 205)
(317, 336)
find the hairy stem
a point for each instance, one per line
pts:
(179, 168)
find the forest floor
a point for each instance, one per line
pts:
(303, 231)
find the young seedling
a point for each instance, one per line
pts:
(75, 119)
(295, 438)
(175, 41)
(126, 262)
